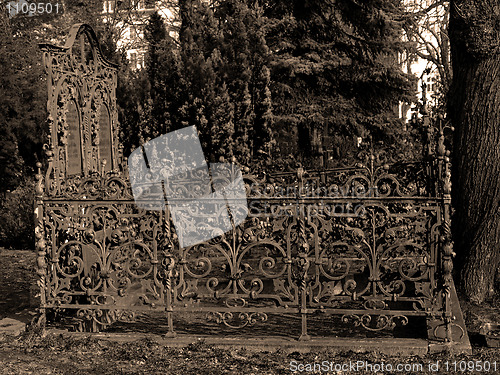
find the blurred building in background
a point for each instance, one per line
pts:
(428, 57)
(130, 18)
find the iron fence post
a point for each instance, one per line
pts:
(40, 245)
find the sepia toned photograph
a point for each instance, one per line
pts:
(250, 187)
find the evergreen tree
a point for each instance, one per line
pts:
(23, 94)
(246, 56)
(155, 34)
(263, 114)
(335, 66)
(204, 88)
(132, 96)
(243, 121)
(237, 72)
(156, 93)
(9, 104)
(222, 120)
(10, 161)
(224, 49)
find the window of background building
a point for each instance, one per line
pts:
(133, 60)
(430, 84)
(109, 6)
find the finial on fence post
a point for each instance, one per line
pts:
(103, 166)
(300, 176)
(39, 181)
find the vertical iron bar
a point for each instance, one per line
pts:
(41, 262)
(302, 257)
(303, 312)
(169, 272)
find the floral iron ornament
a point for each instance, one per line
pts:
(364, 246)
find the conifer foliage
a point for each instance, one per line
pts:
(248, 72)
(335, 67)
(216, 77)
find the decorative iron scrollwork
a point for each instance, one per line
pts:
(239, 321)
(375, 322)
(367, 238)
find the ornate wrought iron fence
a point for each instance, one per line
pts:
(362, 242)
(369, 243)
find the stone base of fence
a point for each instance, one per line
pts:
(460, 343)
(387, 346)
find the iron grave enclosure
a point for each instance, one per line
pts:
(369, 244)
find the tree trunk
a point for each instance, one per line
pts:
(474, 110)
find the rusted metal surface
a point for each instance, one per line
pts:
(370, 243)
(81, 104)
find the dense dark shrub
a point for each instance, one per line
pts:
(16, 217)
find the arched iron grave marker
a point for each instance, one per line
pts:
(370, 249)
(81, 106)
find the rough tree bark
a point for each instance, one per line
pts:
(474, 110)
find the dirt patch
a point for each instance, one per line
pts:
(476, 316)
(17, 279)
(54, 354)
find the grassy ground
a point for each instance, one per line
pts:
(55, 354)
